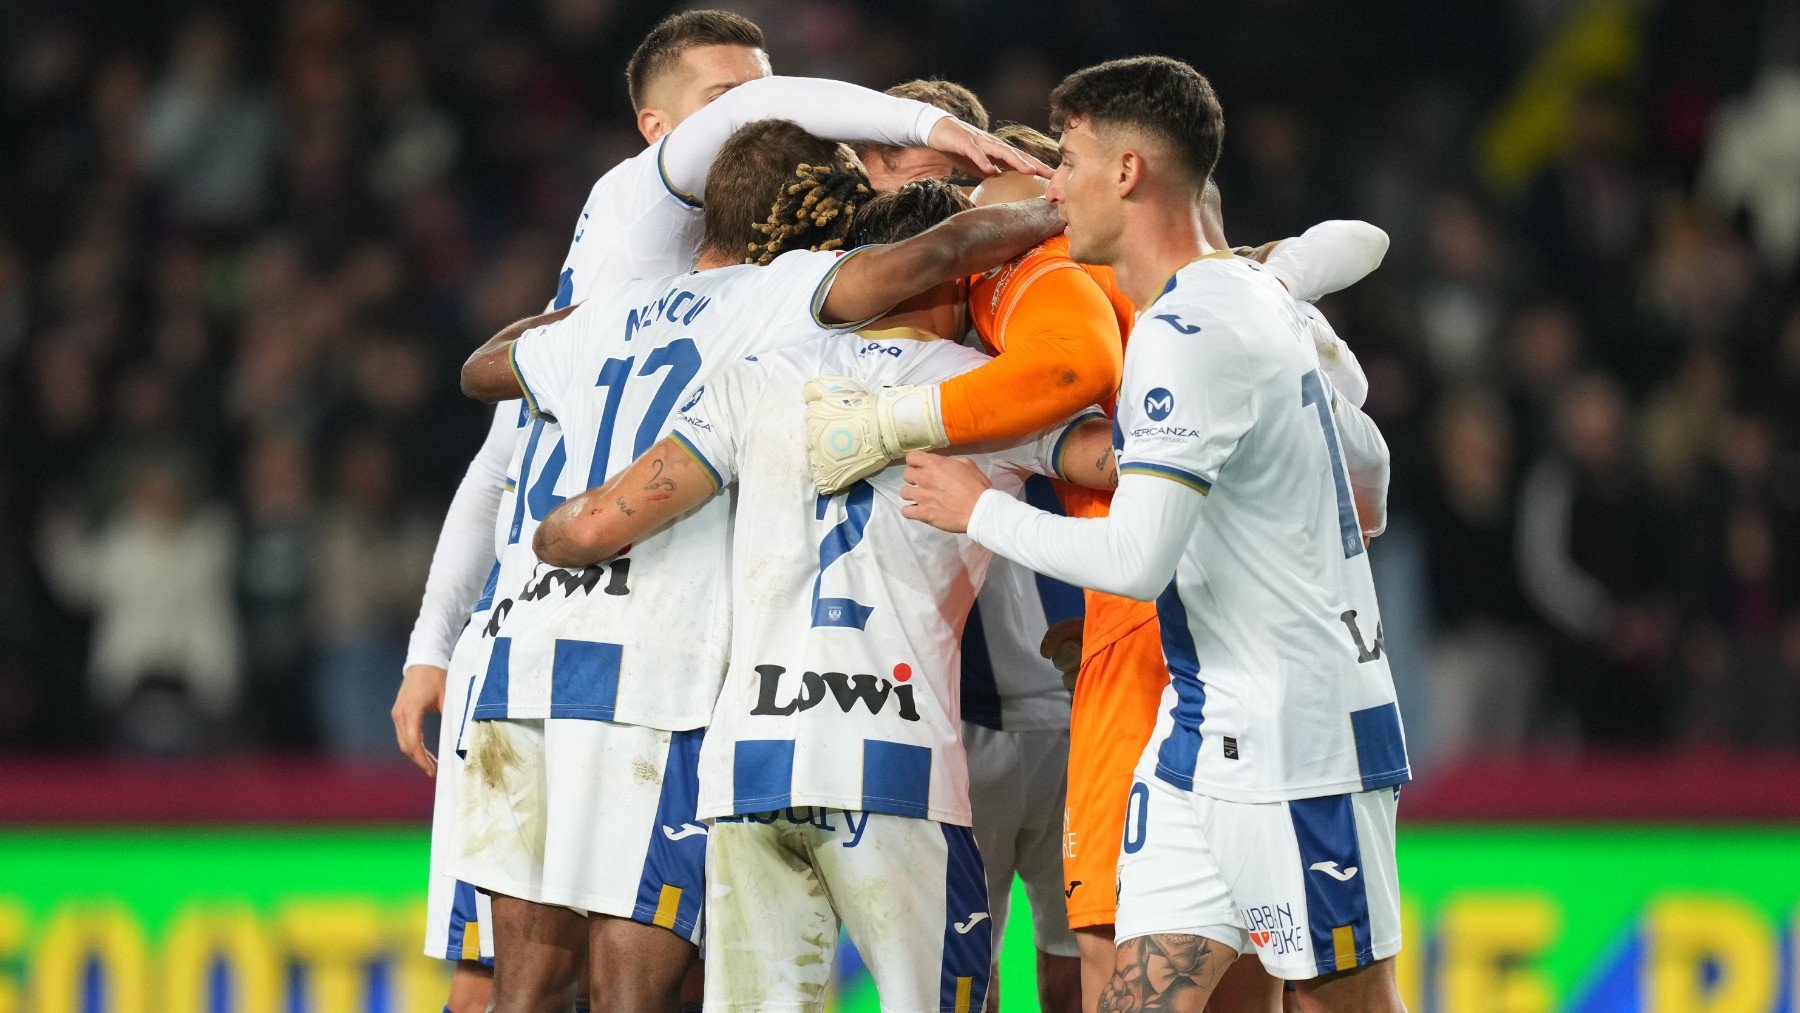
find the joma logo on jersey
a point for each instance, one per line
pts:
(847, 690)
(1274, 928)
(879, 349)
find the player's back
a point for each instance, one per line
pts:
(842, 689)
(595, 643)
(1280, 688)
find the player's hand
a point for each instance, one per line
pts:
(981, 153)
(421, 690)
(1062, 647)
(941, 491)
(852, 432)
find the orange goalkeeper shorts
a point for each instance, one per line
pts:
(1113, 715)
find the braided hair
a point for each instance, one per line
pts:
(813, 212)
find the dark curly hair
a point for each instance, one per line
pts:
(906, 212)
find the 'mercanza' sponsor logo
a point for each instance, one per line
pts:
(847, 691)
(1165, 432)
(1159, 404)
(1273, 928)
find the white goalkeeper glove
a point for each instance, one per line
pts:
(852, 432)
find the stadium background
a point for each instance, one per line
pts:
(243, 248)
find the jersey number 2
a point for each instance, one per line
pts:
(1312, 395)
(845, 536)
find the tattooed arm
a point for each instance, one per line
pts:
(1087, 458)
(596, 525)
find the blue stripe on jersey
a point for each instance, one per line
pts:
(1325, 830)
(496, 686)
(980, 690)
(486, 601)
(531, 442)
(673, 882)
(1180, 751)
(762, 775)
(896, 778)
(565, 289)
(1380, 746)
(1061, 601)
(968, 925)
(584, 680)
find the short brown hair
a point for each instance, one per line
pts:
(949, 96)
(904, 213)
(1165, 98)
(755, 168)
(678, 33)
(1031, 141)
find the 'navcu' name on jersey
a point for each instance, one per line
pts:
(847, 690)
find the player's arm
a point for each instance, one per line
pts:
(668, 481)
(488, 375)
(459, 566)
(1366, 459)
(832, 109)
(1327, 257)
(1084, 455)
(1130, 552)
(1059, 353)
(875, 279)
(1203, 396)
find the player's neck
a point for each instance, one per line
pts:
(710, 259)
(1158, 241)
(935, 311)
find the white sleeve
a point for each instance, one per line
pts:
(1184, 404)
(1327, 257)
(711, 425)
(1336, 360)
(793, 291)
(465, 547)
(1366, 459)
(544, 358)
(829, 109)
(1131, 552)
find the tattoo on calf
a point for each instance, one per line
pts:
(1161, 972)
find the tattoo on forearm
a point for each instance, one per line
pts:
(1108, 465)
(657, 482)
(627, 511)
(1161, 972)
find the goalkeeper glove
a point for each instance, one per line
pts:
(852, 432)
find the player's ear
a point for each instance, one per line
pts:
(653, 124)
(1130, 172)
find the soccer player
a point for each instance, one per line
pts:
(833, 769)
(1263, 814)
(587, 724)
(1057, 328)
(641, 219)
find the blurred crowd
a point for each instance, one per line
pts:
(243, 249)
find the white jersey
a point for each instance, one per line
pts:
(843, 684)
(1008, 684)
(641, 639)
(1279, 681)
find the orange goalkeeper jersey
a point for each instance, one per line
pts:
(1058, 331)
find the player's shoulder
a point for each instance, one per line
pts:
(1219, 300)
(883, 357)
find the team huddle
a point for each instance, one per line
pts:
(883, 510)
